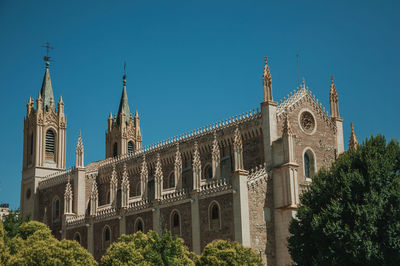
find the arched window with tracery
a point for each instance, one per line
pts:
(106, 237)
(207, 173)
(115, 149)
(175, 221)
(56, 209)
(214, 216)
(309, 163)
(139, 225)
(50, 145)
(130, 147)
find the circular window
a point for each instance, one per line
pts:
(28, 193)
(307, 122)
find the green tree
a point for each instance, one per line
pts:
(35, 245)
(4, 254)
(12, 223)
(148, 249)
(350, 215)
(226, 252)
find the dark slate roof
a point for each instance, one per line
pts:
(47, 90)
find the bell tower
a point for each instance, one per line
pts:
(44, 142)
(123, 134)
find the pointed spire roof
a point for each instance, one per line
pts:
(353, 139)
(47, 90)
(124, 105)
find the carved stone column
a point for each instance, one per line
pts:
(196, 168)
(216, 158)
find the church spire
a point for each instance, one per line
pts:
(267, 82)
(353, 139)
(333, 100)
(47, 90)
(124, 105)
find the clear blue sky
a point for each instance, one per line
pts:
(191, 63)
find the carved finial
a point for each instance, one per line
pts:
(304, 83)
(114, 180)
(158, 172)
(215, 153)
(68, 188)
(94, 192)
(196, 155)
(237, 140)
(267, 82)
(287, 130)
(353, 139)
(178, 156)
(143, 170)
(125, 178)
(334, 100)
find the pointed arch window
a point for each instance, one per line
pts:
(130, 147)
(208, 174)
(214, 216)
(56, 210)
(171, 180)
(139, 225)
(309, 163)
(106, 237)
(138, 189)
(31, 145)
(175, 223)
(115, 149)
(77, 237)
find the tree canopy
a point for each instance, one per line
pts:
(12, 223)
(35, 245)
(148, 249)
(226, 252)
(350, 215)
(4, 253)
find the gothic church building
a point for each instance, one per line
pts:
(237, 179)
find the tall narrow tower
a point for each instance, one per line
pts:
(44, 142)
(334, 103)
(123, 134)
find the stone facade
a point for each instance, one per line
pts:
(236, 179)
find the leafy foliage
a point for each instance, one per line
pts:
(35, 245)
(12, 223)
(148, 249)
(351, 213)
(4, 254)
(225, 252)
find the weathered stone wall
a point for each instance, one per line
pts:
(322, 141)
(46, 198)
(253, 152)
(226, 215)
(261, 210)
(83, 235)
(184, 210)
(99, 249)
(147, 218)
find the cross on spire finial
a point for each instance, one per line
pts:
(124, 76)
(47, 57)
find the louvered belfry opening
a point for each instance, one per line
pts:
(50, 145)
(130, 147)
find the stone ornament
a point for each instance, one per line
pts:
(307, 122)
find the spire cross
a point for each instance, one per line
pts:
(48, 47)
(124, 76)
